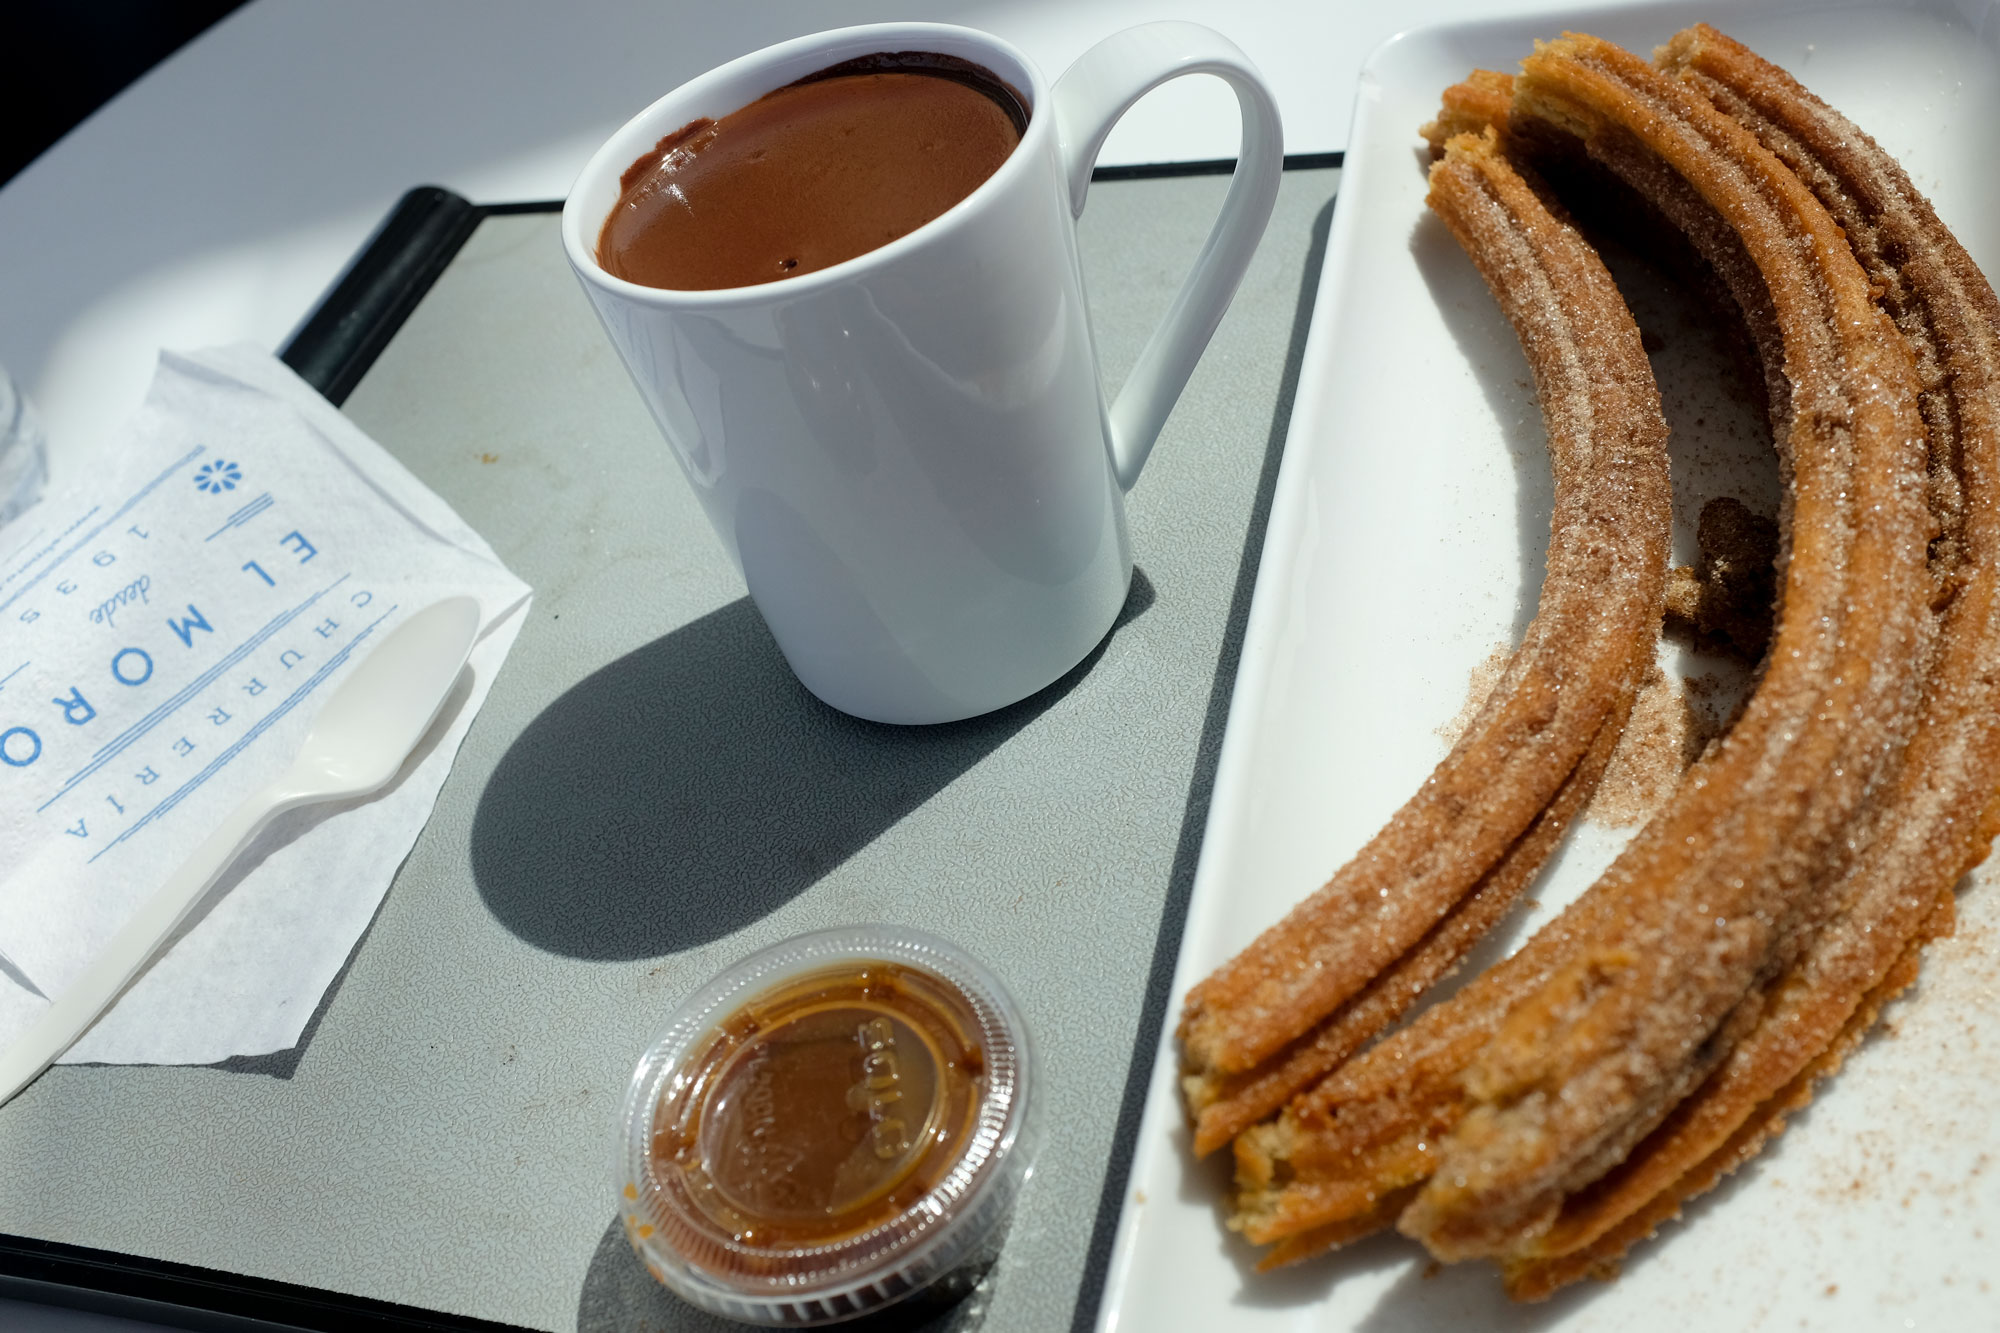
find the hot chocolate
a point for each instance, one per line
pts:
(822, 170)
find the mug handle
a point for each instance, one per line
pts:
(1089, 98)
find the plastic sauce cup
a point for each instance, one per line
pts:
(827, 1127)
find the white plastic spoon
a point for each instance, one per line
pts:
(357, 743)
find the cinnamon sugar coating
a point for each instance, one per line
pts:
(1472, 107)
(1403, 912)
(1223, 1106)
(1712, 890)
(1931, 826)
(1652, 1038)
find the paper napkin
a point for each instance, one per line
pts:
(167, 633)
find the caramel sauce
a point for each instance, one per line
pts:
(819, 1110)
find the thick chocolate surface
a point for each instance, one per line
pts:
(805, 177)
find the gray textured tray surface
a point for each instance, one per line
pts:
(648, 794)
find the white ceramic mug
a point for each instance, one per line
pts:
(908, 454)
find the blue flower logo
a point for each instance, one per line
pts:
(218, 476)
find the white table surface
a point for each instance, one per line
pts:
(218, 197)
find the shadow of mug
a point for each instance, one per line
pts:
(693, 786)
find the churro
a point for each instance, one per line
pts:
(1538, 1276)
(1927, 831)
(1472, 107)
(1579, 662)
(1225, 1106)
(1714, 888)
(1539, 1078)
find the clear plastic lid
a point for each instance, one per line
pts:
(827, 1127)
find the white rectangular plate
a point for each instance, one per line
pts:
(1404, 546)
